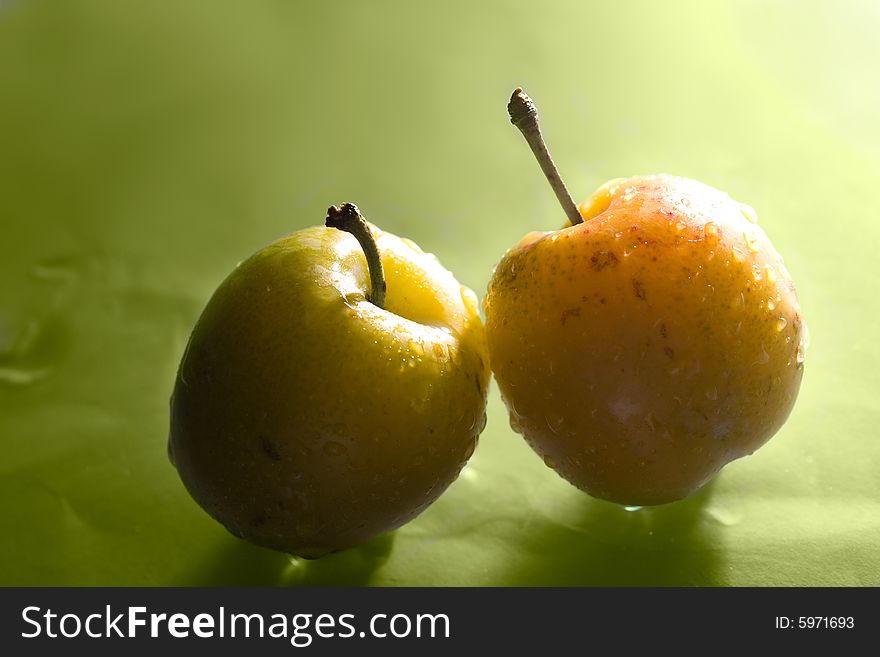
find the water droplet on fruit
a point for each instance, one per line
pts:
(771, 303)
(469, 299)
(632, 509)
(711, 231)
(680, 226)
(757, 274)
(751, 241)
(416, 348)
(514, 423)
(430, 489)
(771, 274)
(764, 358)
(350, 300)
(549, 462)
(749, 213)
(781, 323)
(738, 255)
(801, 353)
(484, 418)
(478, 423)
(469, 450)
(441, 352)
(555, 422)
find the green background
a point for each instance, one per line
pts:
(146, 147)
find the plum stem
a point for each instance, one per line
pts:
(524, 115)
(349, 219)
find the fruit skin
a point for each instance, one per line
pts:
(305, 418)
(642, 350)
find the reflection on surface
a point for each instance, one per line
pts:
(583, 542)
(598, 543)
(238, 563)
(352, 567)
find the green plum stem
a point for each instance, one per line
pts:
(349, 219)
(524, 115)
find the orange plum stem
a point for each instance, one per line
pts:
(524, 115)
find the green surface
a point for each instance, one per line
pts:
(147, 147)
